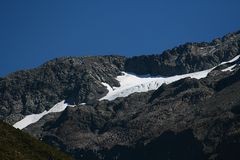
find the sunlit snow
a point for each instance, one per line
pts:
(33, 118)
(229, 68)
(130, 83)
(232, 60)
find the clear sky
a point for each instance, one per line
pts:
(34, 31)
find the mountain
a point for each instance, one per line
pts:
(187, 58)
(18, 145)
(181, 104)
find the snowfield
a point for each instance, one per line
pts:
(129, 83)
(33, 118)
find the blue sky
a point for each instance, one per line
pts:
(34, 31)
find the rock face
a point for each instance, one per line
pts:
(187, 119)
(187, 58)
(77, 80)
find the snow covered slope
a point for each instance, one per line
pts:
(130, 83)
(33, 118)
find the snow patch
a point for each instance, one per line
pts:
(232, 60)
(229, 68)
(109, 88)
(131, 83)
(33, 118)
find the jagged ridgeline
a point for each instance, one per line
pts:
(78, 79)
(182, 104)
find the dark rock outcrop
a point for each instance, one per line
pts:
(157, 124)
(187, 58)
(170, 145)
(75, 80)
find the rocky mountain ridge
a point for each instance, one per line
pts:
(78, 79)
(201, 114)
(187, 58)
